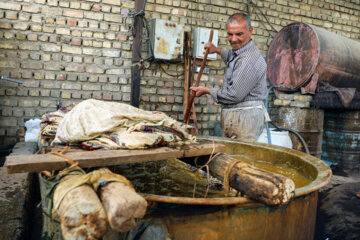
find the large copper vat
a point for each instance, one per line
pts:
(239, 217)
(301, 55)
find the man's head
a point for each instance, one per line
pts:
(239, 30)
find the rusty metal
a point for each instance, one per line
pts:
(220, 218)
(136, 55)
(308, 123)
(341, 139)
(301, 55)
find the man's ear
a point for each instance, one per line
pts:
(250, 30)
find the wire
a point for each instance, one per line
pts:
(296, 134)
(264, 16)
(147, 40)
(281, 129)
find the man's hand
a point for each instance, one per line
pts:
(212, 48)
(199, 91)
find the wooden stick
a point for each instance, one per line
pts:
(186, 69)
(192, 95)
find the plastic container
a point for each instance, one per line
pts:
(277, 138)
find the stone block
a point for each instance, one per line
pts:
(113, 18)
(74, 13)
(31, 8)
(279, 102)
(94, 15)
(10, 6)
(303, 98)
(283, 96)
(300, 104)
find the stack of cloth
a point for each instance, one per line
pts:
(95, 124)
(50, 123)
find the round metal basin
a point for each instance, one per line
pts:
(242, 218)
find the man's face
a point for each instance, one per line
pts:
(237, 34)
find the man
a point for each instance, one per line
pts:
(244, 87)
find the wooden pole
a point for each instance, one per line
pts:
(186, 70)
(136, 55)
(267, 187)
(192, 95)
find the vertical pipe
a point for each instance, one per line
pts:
(136, 55)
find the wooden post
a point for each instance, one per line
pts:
(136, 55)
(186, 70)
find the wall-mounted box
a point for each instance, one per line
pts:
(199, 37)
(167, 39)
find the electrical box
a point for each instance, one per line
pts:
(199, 37)
(166, 39)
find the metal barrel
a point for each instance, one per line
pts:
(308, 123)
(300, 52)
(341, 139)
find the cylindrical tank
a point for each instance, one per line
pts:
(341, 139)
(308, 123)
(239, 217)
(301, 51)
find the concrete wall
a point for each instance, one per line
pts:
(69, 50)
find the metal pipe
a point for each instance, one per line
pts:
(11, 80)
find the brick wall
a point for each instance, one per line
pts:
(69, 50)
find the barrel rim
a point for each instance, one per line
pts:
(308, 75)
(323, 177)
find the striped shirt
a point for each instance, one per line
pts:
(245, 78)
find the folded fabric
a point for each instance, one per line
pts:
(112, 125)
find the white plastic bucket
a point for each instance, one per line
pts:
(277, 138)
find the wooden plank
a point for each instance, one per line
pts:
(186, 69)
(41, 162)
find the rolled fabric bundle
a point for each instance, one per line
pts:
(81, 214)
(264, 186)
(122, 205)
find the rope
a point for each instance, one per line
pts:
(60, 153)
(206, 165)
(227, 175)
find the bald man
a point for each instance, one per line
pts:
(244, 87)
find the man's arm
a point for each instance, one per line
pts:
(199, 91)
(212, 48)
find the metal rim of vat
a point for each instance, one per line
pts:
(322, 179)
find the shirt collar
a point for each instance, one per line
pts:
(243, 48)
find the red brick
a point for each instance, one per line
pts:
(76, 42)
(61, 76)
(96, 8)
(107, 96)
(169, 84)
(122, 37)
(170, 99)
(72, 22)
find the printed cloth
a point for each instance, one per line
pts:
(50, 123)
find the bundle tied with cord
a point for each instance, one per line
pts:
(85, 214)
